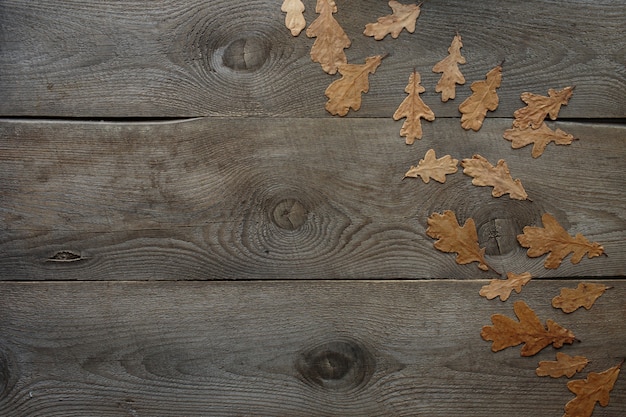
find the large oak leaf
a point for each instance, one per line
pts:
(431, 167)
(484, 97)
(538, 107)
(414, 109)
(596, 388)
(404, 17)
(331, 39)
(451, 75)
(565, 365)
(539, 137)
(585, 295)
(499, 177)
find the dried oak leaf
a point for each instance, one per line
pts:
(507, 332)
(538, 107)
(454, 238)
(413, 108)
(404, 17)
(331, 39)
(565, 365)
(571, 299)
(431, 167)
(483, 98)
(486, 175)
(503, 287)
(555, 240)
(451, 75)
(595, 388)
(345, 93)
(295, 16)
(539, 137)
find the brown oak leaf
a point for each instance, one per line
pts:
(507, 332)
(431, 167)
(331, 39)
(486, 175)
(555, 240)
(484, 97)
(345, 93)
(413, 108)
(571, 299)
(538, 107)
(539, 137)
(454, 238)
(451, 75)
(295, 16)
(565, 365)
(503, 287)
(595, 388)
(404, 17)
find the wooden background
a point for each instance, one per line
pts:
(187, 232)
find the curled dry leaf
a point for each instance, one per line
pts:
(499, 177)
(484, 97)
(507, 332)
(555, 240)
(454, 238)
(431, 167)
(295, 16)
(451, 75)
(539, 137)
(571, 299)
(404, 17)
(345, 93)
(503, 287)
(331, 39)
(565, 365)
(538, 107)
(413, 108)
(595, 388)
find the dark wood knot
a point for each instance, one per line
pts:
(289, 214)
(65, 256)
(246, 54)
(7, 378)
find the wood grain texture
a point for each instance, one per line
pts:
(286, 349)
(287, 199)
(230, 58)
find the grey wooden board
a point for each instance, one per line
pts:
(287, 199)
(287, 349)
(191, 58)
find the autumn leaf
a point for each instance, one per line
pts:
(413, 108)
(565, 365)
(507, 332)
(404, 17)
(331, 39)
(538, 107)
(431, 167)
(539, 137)
(584, 295)
(295, 18)
(555, 240)
(345, 93)
(454, 238)
(486, 175)
(451, 75)
(503, 287)
(595, 388)
(483, 98)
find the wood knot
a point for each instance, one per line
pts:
(289, 214)
(7, 378)
(246, 54)
(65, 256)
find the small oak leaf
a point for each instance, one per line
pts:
(555, 240)
(454, 238)
(503, 287)
(294, 20)
(451, 75)
(331, 39)
(507, 332)
(345, 93)
(565, 365)
(483, 98)
(404, 17)
(538, 107)
(595, 388)
(539, 137)
(486, 175)
(413, 108)
(431, 167)
(571, 299)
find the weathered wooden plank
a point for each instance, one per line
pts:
(289, 198)
(286, 349)
(189, 58)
